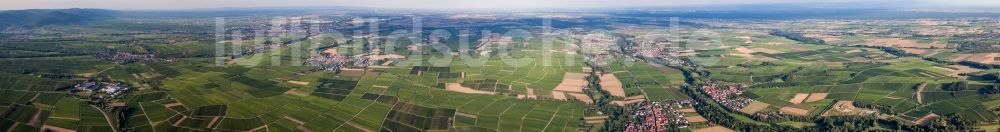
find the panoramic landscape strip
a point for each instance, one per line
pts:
(552, 65)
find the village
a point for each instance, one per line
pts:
(659, 115)
(99, 90)
(727, 95)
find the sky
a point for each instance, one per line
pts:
(436, 4)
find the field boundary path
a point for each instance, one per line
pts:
(551, 118)
(525, 116)
(920, 96)
(106, 118)
(355, 116)
(147, 115)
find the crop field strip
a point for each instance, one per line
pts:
(464, 103)
(362, 106)
(462, 106)
(643, 74)
(968, 107)
(143, 104)
(135, 116)
(195, 95)
(160, 111)
(859, 86)
(899, 97)
(142, 120)
(517, 77)
(32, 106)
(520, 77)
(369, 105)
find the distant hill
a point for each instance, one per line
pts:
(41, 17)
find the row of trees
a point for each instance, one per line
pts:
(797, 37)
(720, 115)
(617, 116)
(978, 47)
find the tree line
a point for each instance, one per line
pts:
(797, 37)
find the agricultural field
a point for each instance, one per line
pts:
(907, 87)
(643, 79)
(809, 80)
(525, 73)
(253, 97)
(362, 69)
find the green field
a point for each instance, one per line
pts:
(654, 82)
(466, 70)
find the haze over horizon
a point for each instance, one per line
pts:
(463, 4)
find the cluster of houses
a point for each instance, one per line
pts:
(653, 119)
(647, 48)
(328, 63)
(261, 48)
(597, 40)
(119, 57)
(598, 46)
(331, 61)
(662, 52)
(657, 116)
(723, 94)
(100, 89)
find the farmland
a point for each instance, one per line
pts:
(192, 95)
(807, 80)
(401, 70)
(654, 82)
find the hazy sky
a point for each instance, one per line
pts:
(433, 4)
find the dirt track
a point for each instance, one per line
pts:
(798, 98)
(462, 89)
(794, 111)
(813, 97)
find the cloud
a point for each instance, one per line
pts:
(958, 2)
(437, 4)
